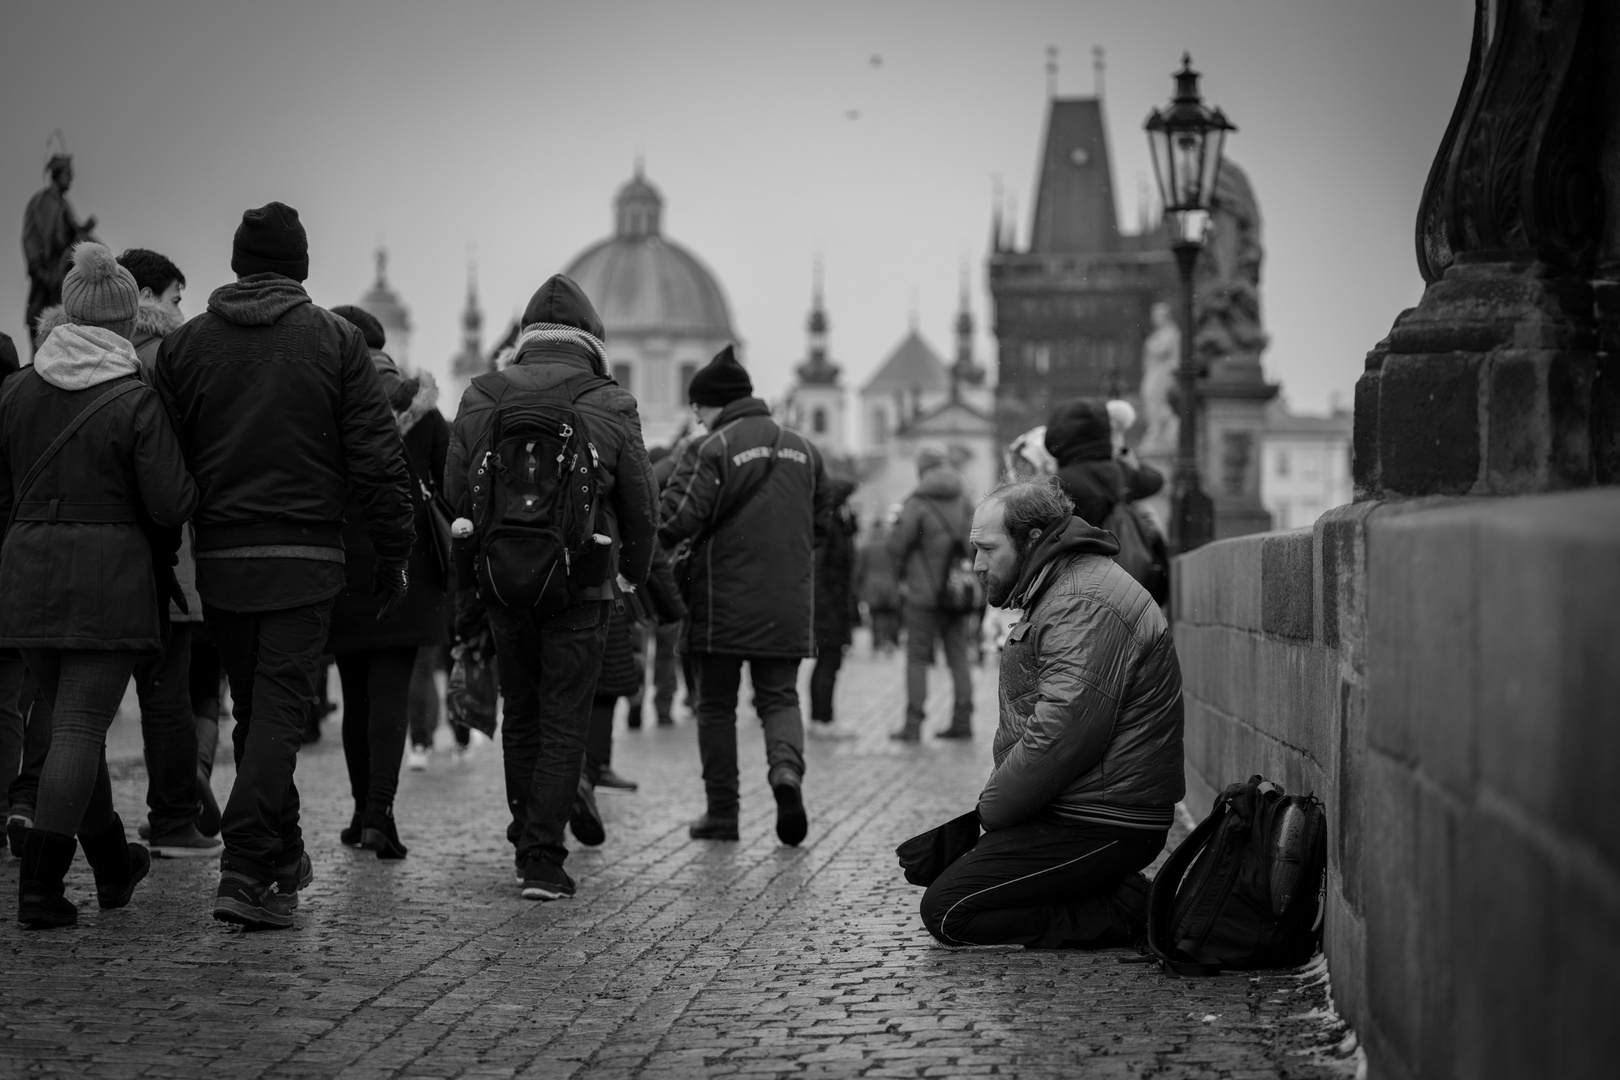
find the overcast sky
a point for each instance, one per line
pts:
(773, 131)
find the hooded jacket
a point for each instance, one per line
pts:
(1078, 436)
(280, 412)
(77, 567)
(153, 323)
(752, 569)
(1090, 695)
(836, 609)
(550, 368)
(933, 520)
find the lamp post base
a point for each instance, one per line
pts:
(1192, 516)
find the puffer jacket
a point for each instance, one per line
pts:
(280, 413)
(77, 565)
(627, 497)
(1091, 711)
(933, 520)
(752, 572)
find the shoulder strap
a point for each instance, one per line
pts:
(957, 551)
(61, 439)
(1162, 896)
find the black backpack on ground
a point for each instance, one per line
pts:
(1247, 889)
(534, 497)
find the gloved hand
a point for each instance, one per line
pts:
(391, 582)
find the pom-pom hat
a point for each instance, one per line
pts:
(99, 292)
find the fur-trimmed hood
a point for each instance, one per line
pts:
(425, 401)
(155, 320)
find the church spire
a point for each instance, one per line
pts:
(817, 368)
(964, 372)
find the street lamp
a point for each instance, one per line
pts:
(1185, 139)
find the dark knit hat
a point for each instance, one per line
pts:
(365, 322)
(271, 240)
(99, 292)
(561, 302)
(721, 381)
(1079, 430)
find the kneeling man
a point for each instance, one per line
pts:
(1088, 759)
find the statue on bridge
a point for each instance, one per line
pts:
(1226, 284)
(50, 230)
(1161, 355)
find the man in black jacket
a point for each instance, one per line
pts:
(279, 412)
(752, 499)
(549, 665)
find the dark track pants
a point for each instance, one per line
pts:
(1040, 884)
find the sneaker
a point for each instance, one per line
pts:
(791, 823)
(416, 758)
(830, 729)
(613, 781)
(182, 843)
(585, 819)
(17, 826)
(713, 828)
(906, 734)
(256, 905)
(293, 877)
(955, 731)
(545, 880)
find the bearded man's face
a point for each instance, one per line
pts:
(998, 560)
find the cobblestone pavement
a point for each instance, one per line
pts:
(677, 958)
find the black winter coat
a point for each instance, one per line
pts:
(835, 574)
(85, 580)
(280, 413)
(1098, 486)
(751, 591)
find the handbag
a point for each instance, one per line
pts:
(927, 855)
(438, 518)
(960, 590)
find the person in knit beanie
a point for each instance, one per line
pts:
(271, 240)
(99, 292)
(720, 382)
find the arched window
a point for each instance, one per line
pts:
(818, 421)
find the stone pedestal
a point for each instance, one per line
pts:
(1231, 427)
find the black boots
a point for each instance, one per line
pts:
(357, 826)
(379, 834)
(45, 860)
(118, 865)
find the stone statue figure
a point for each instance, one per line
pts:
(1161, 353)
(1226, 283)
(50, 230)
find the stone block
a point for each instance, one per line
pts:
(1220, 584)
(1340, 536)
(1549, 576)
(1347, 796)
(1428, 424)
(1538, 408)
(1586, 980)
(1287, 583)
(1294, 697)
(1364, 437)
(1606, 418)
(1394, 964)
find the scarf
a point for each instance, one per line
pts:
(547, 332)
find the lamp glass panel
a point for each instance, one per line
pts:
(1187, 152)
(1211, 165)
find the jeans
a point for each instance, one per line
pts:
(375, 686)
(923, 626)
(272, 659)
(1042, 884)
(84, 688)
(666, 666)
(548, 671)
(168, 733)
(776, 701)
(422, 705)
(599, 737)
(823, 679)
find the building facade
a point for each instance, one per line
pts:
(1305, 465)
(383, 302)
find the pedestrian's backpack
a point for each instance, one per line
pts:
(1247, 888)
(534, 496)
(960, 590)
(1142, 552)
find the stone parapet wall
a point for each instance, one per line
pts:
(1445, 675)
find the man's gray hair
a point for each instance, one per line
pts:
(1039, 503)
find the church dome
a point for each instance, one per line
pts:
(641, 282)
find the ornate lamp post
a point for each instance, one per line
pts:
(1185, 138)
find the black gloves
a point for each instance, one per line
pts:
(391, 583)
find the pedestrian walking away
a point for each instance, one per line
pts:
(1088, 750)
(376, 653)
(837, 611)
(281, 416)
(878, 588)
(85, 567)
(550, 546)
(933, 527)
(750, 502)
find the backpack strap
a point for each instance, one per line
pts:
(1162, 898)
(106, 398)
(957, 550)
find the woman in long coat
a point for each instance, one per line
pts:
(94, 490)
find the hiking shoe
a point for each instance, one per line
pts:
(207, 806)
(955, 731)
(294, 876)
(545, 880)
(256, 905)
(183, 843)
(791, 823)
(585, 819)
(17, 826)
(614, 782)
(713, 828)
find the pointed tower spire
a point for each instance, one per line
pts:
(1051, 70)
(1099, 68)
(964, 372)
(817, 368)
